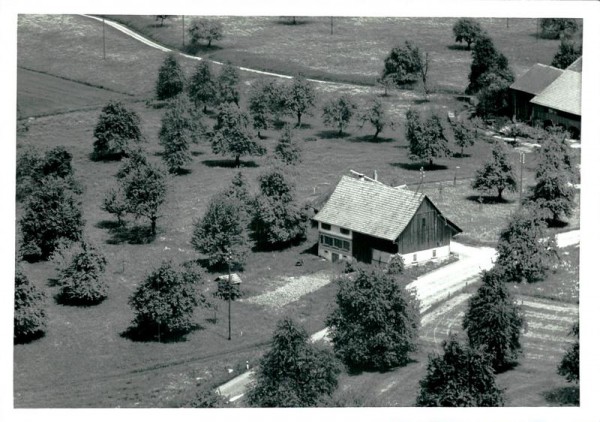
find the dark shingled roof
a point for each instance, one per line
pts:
(536, 79)
(370, 208)
(563, 94)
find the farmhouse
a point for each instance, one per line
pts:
(532, 83)
(370, 221)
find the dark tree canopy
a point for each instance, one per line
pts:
(403, 64)
(300, 98)
(567, 53)
(569, 364)
(171, 79)
(202, 87)
(493, 97)
(525, 251)
(116, 127)
(426, 137)
(294, 372)
(228, 85)
(467, 30)
(460, 377)
(232, 136)
(205, 29)
(555, 28)
(162, 18)
(496, 174)
(238, 189)
(494, 321)
(464, 134)
(338, 112)
(288, 150)
(30, 313)
(376, 115)
(486, 60)
(375, 322)
(266, 103)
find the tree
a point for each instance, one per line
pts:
(493, 98)
(496, 174)
(460, 377)
(231, 135)
(569, 365)
(294, 372)
(238, 190)
(202, 88)
(553, 193)
(115, 203)
(567, 53)
(300, 98)
(209, 399)
(424, 72)
(181, 126)
(165, 302)
(467, 30)
(375, 322)
(287, 150)
(337, 112)
(171, 79)
(493, 321)
(227, 85)
(116, 127)
(376, 115)
(396, 265)
(30, 313)
(51, 214)
(266, 102)
(162, 18)
(145, 189)
(205, 29)
(81, 281)
(486, 60)
(403, 64)
(524, 248)
(425, 136)
(555, 28)
(221, 233)
(464, 135)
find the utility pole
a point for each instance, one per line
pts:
(229, 295)
(506, 23)
(103, 40)
(183, 31)
(522, 161)
(331, 20)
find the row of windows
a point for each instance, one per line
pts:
(326, 226)
(335, 242)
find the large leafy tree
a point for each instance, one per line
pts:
(375, 322)
(569, 364)
(300, 98)
(171, 79)
(180, 127)
(486, 60)
(464, 135)
(460, 377)
(376, 115)
(426, 137)
(525, 251)
(232, 136)
(294, 372)
(567, 53)
(467, 30)
(403, 65)
(165, 302)
(338, 112)
(30, 313)
(202, 88)
(266, 102)
(205, 29)
(288, 150)
(496, 174)
(493, 97)
(493, 321)
(555, 28)
(238, 189)
(228, 85)
(116, 127)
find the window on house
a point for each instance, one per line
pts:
(337, 243)
(344, 231)
(345, 245)
(328, 241)
(325, 226)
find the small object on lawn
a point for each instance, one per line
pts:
(299, 263)
(229, 370)
(247, 365)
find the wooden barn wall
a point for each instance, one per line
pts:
(522, 109)
(426, 230)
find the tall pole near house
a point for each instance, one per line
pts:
(229, 296)
(183, 31)
(522, 161)
(331, 21)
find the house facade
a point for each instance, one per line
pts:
(371, 222)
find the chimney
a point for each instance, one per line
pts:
(375, 175)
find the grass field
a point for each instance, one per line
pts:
(83, 360)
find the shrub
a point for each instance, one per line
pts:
(30, 314)
(496, 174)
(287, 150)
(555, 28)
(396, 265)
(569, 365)
(171, 79)
(116, 127)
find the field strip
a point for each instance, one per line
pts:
(566, 308)
(443, 309)
(532, 315)
(545, 337)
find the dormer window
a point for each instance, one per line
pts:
(326, 226)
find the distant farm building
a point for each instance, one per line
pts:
(549, 96)
(370, 221)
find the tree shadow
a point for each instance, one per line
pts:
(105, 158)
(201, 48)
(63, 300)
(419, 101)
(150, 334)
(197, 153)
(332, 134)
(557, 224)
(416, 166)
(229, 163)
(507, 367)
(489, 199)
(459, 155)
(371, 139)
(287, 21)
(355, 371)
(458, 47)
(26, 339)
(108, 224)
(312, 250)
(134, 235)
(181, 172)
(563, 396)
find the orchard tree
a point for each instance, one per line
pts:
(30, 312)
(116, 127)
(555, 28)
(205, 29)
(202, 87)
(496, 174)
(338, 112)
(52, 214)
(464, 135)
(288, 150)
(221, 232)
(232, 136)
(567, 53)
(467, 30)
(494, 98)
(494, 321)
(300, 98)
(259, 105)
(403, 65)
(376, 115)
(294, 372)
(525, 250)
(375, 322)
(165, 302)
(425, 136)
(486, 60)
(162, 18)
(171, 79)
(569, 365)
(228, 85)
(460, 377)
(181, 126)
(238, 190)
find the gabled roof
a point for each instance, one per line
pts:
(370, 208)
(576, 65)
(536, 79)
(563, 94)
